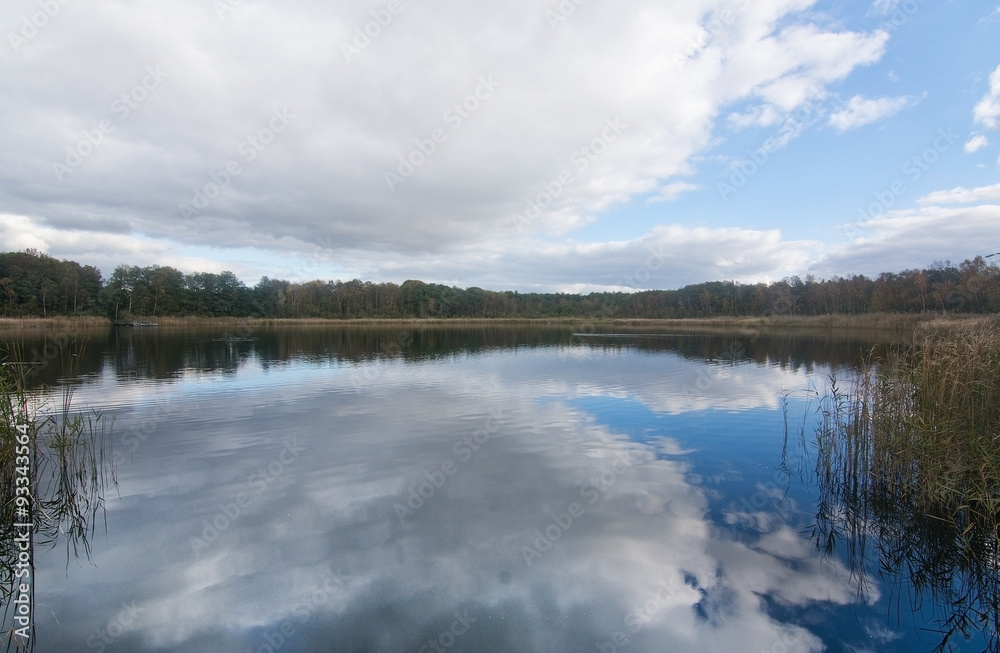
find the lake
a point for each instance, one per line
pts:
(476, 488)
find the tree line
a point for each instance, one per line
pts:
(33, 284)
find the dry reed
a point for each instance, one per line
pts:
(909, 461)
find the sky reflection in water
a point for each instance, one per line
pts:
(572, 497)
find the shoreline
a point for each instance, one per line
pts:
(872, 321)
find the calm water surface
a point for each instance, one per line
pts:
(475, 489)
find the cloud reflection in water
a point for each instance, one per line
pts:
(640, 566)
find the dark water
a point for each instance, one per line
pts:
(462, 489)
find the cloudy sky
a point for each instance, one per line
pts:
(518, 144)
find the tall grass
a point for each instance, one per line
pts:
(866, 321)
(196, 321)
(13, 411)
(863, 321)
(72, 467)
(909, 461)
(60, 322)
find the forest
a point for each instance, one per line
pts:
(33, 284)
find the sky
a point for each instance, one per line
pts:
(532, 145)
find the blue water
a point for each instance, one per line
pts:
(566, 496)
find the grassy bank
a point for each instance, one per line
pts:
(869, 321)
(909, 462)
(878, 321)
(17, 323)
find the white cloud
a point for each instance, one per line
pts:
(860, 111)
(648, 527)
(673, 190)
(911, 238)
(321, 179)
(961, 195)
(987, 110)
(318, 189)
(881, 633)
(976, 143)
(667, 256)
(759, 116)
(105, 249)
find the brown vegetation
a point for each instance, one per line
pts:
(909, 459)
(919, 322)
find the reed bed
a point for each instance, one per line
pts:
(909, 473)
(61, 323)
(887, 321)
(194, 321)
(866, 321)
(930, 414)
